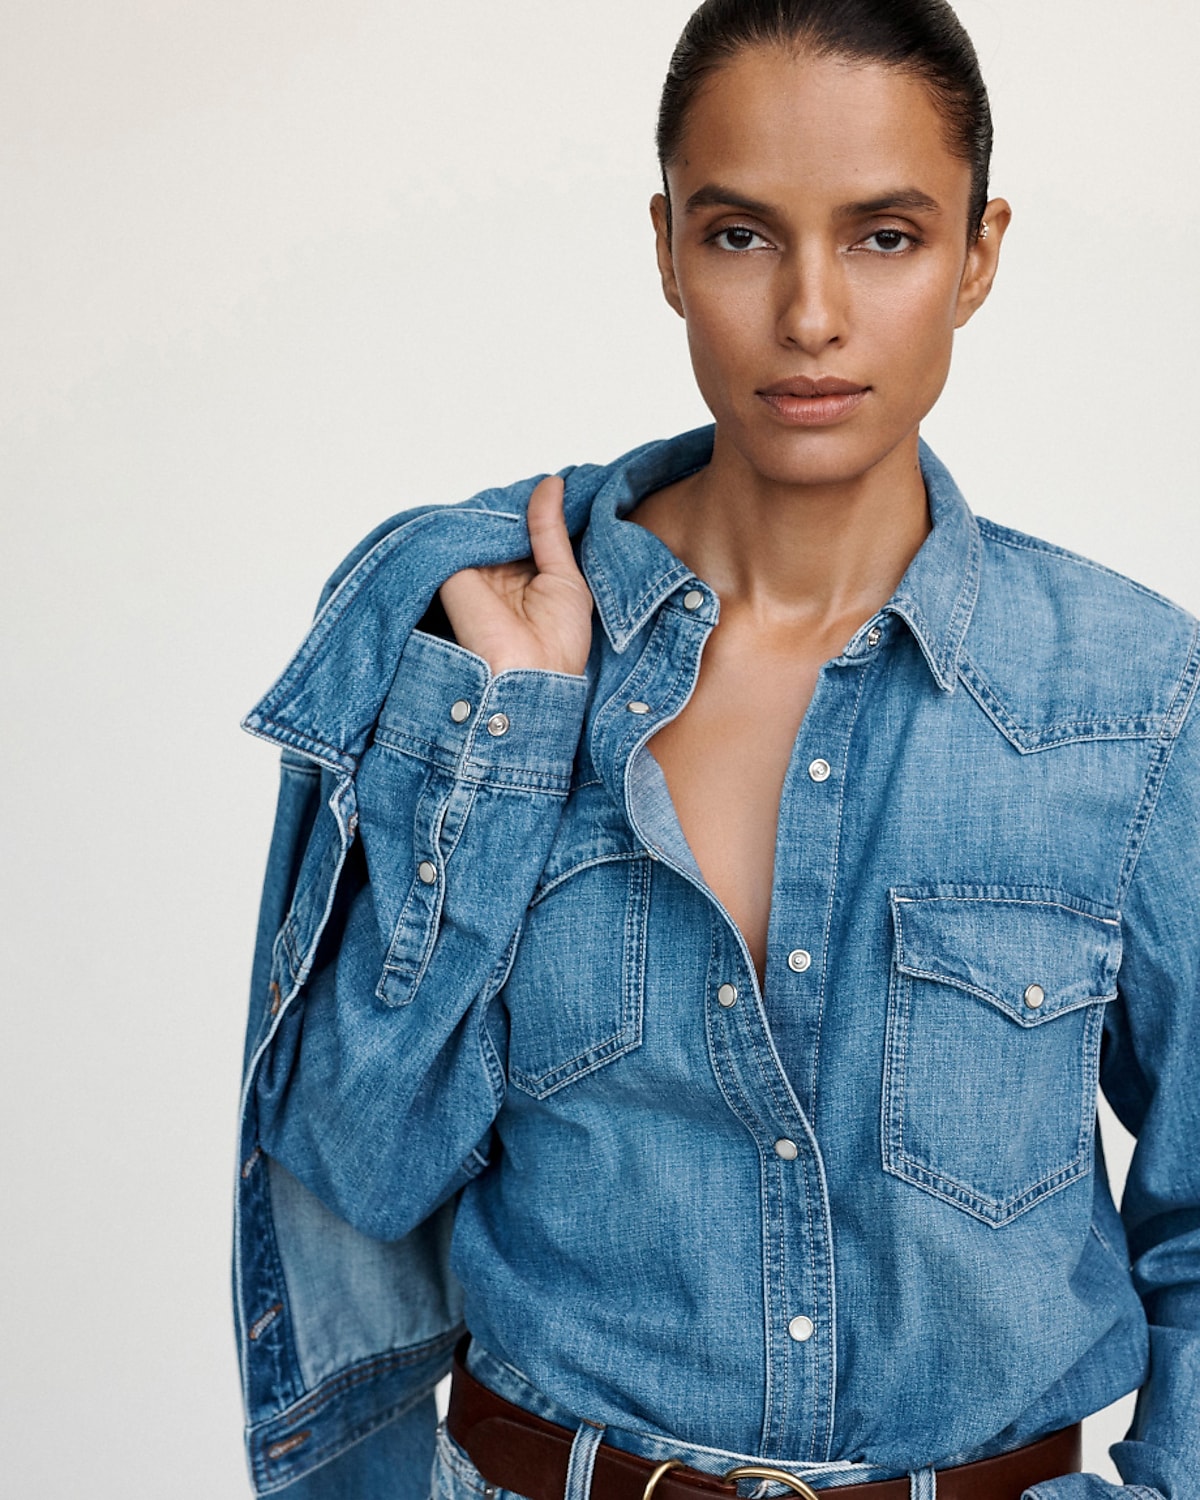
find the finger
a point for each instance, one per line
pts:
(548, 534)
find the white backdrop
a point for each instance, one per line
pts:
(273, 270)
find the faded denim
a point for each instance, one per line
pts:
(508, 1064)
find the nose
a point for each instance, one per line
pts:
(812, 300)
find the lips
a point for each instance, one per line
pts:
(802, 401)
(803, 387)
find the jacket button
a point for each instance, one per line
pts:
(801, 1329)
(637, 707)
(874, 636)
(799, 960)
(498, 725)
(427, 871)
(820, 770)
(727, 995)
(787, 1150)
(460, 712)
(1035, 997)
(693, 599)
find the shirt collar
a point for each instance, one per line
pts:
(630, 571)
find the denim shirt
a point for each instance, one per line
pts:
(509, 1064)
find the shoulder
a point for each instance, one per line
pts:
(490, 518)
(1069, 649)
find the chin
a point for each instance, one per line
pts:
(826, 457)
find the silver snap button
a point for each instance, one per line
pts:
(637, 707)
(820, 770)
(802, 1329)
(460, 711)
(427, 871)
(727, 995)
(787, 1150)
(874, 636)
(799, 960)
(498, 724)
(693, 599)
(1035, 997)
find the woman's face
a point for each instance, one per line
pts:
(820, 234)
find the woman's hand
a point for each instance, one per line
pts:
(529, 613)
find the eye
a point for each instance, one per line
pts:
(736, 237)
(890, 241)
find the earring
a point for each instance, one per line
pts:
(983, 230)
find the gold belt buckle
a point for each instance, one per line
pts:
(756, 1471)
(746, 1471)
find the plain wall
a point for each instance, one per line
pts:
(271, 272)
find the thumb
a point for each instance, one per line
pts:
(548, 535)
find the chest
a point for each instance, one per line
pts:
(724, 759)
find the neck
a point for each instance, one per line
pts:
(803, 555)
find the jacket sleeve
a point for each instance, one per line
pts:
(409, 885)
(1150, 1074)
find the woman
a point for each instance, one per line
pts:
(687, 952)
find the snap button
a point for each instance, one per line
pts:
(693, 599)
(802, 1329)
(498, 724)
(874, 636)
(1035, 997)
(799, 960)
(787, 1150)
(460, 711)
(637, 707)
(820, 770)
(727, 995)
(427, 871)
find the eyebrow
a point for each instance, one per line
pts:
(714, 195)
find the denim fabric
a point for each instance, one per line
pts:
(509, 1065)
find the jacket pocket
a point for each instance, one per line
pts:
(993, 1043)
(575, 991)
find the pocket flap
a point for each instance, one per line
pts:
(1033, 956)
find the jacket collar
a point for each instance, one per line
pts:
(630, 571)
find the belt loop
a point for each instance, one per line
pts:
(923, 1484)
(583, 1460)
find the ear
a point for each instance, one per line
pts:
(662, 245)
(983, 261)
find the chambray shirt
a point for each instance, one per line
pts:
(509, 1064)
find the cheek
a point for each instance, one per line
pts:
(723, 333)
(914, 323)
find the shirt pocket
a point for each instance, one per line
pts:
(994, 1021)
(575, 991)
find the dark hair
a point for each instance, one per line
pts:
(920, 37)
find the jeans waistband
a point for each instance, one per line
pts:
(509, 1382)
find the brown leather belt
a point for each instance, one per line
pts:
(515, 1450)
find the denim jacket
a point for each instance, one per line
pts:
(509, 1065)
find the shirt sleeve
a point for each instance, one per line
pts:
(385, 1066)
(1149, 1074)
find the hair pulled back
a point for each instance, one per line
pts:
(923, 38)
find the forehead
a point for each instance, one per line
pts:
(776, 124)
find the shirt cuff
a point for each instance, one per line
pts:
(520, 728)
